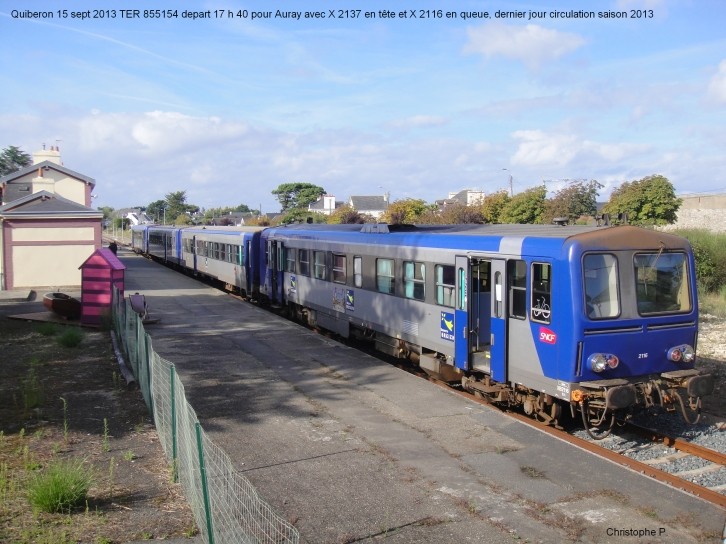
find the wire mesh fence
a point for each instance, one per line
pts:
(225, 504)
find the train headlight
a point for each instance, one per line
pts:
(682, 354)
(603, 361)
(598, 362)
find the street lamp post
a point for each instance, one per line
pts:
(511, 182)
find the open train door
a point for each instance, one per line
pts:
(461, 315)
(498, 331)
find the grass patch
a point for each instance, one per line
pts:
(62, 486)
(71, 338)
(47, 329)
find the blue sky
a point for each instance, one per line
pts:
(229, 108)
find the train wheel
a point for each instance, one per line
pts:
(593, 425)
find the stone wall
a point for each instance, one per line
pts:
(701, 212)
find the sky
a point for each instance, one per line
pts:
(368, 99)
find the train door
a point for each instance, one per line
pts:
(498, 337)
(473, 311)
(194, 251)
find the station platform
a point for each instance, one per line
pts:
(351, 449)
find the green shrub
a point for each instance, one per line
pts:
(60, 487)
(709, 250)
(70, 338)
(47, 329)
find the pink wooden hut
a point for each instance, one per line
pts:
(100, 273)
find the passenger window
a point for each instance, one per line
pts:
(358, 271)
(540, 305)
(290, 256)
(339, 268)
(414, 277)
(444, 285)
(498, 305)
(319, 269)
(600, 273)
(517, 272)
(385, 280)
(304, 260)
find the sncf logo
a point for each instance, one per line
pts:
(547, 336)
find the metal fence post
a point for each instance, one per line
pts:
(175, 468)
(205, 489)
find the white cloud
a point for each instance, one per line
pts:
(531, 44)
(717, 86)
(538, 148)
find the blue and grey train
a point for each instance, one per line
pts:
(601, 319)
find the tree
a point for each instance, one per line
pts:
(648, 201)
(573, 201)
(455, 213)
(297, 195)
(346, 215)
(493, 204)
(297, 215)
(155, 210)
(13, 159)
(407, 210)
(526, 207)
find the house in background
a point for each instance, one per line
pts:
(468, 197)
(370, 205)
(47, 227)
(326, 204)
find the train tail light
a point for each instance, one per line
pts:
(682, 354)
(602, 361)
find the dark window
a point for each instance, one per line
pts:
(600, 271)
(304, 259)
(541, 302)
(358, 271)
(290, 255)
(320, 269)
(662, 283)
(385, 280)
(339, 268)
(517, 272)
(414, 277)
(445, 280)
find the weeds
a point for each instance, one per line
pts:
(62, 486)
(47, 329)
(71, 338)
(65, 419)
(106, 444)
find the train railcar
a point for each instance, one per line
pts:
(140, 238)
(603, 319)
(164, 243)
(224, 254)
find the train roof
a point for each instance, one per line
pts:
(542, 239)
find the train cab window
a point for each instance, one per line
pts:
(358, 271)
(320, 270)
(444, 285)
(339, 268)
(662, 283)
(600, 271)
(385, 280)
(541, 293)
(304, 260)
(414, 276)
(290, 257)
(517, 274)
